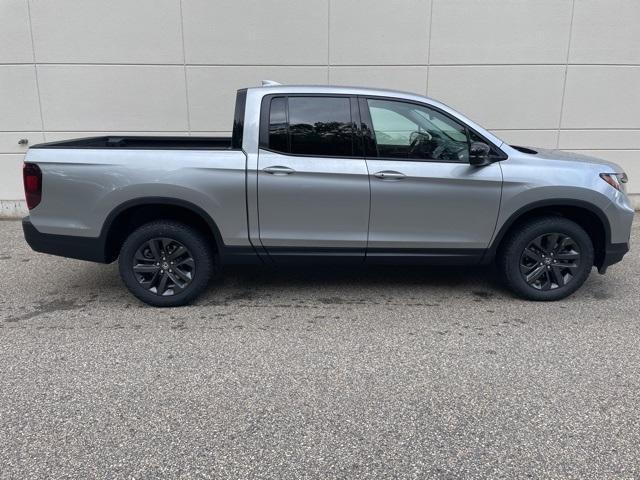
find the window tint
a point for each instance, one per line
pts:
(405, 130)
(278, 134)
(320, 126)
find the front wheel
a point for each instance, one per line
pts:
(166, 264)
(547, 259)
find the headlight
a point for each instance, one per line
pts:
(615, 179)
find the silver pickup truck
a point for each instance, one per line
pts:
(315, 173)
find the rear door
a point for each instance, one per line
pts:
(426, 199)
(313, 184)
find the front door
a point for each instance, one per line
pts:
(313, 184)
(426, 199)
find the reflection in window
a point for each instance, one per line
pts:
(316, 126)
(278, 135)
(406, 130)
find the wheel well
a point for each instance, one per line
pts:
(135, 216)
(588, 220)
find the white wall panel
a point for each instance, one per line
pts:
(246, 32)
(9, 141)
(172, 67)
(212, 90)
(529, 138)
(606, 31)
(114, 31)
(19, 108)
(499, 97)
(410, 79)
(600, 139)
(379, 33)
(140, 98)
(11, 179)
(498, 31)
(602, 97)
(15, 37)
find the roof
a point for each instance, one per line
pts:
(275, 88)
(341, 89)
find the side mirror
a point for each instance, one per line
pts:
(479, 154)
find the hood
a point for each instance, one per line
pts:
(547, 154)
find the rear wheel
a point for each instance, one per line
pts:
(166, 264)
(547, 259)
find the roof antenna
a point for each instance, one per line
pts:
(269, 83)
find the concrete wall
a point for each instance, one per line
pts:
(550, 73)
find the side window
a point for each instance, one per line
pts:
(311, 126)
(416, 132)
(321, 126)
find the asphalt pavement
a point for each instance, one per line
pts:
(315, 373)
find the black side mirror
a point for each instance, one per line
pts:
(479, 154)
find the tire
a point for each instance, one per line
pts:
(555, 268)
(146, 258)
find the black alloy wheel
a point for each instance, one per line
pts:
(164, 266)
(549, 261)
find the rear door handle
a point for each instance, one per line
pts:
(389, 175)
(278, 170)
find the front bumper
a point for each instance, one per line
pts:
(82, 248)
(613, 253)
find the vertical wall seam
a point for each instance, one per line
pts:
(426, 90)
(566, 73)
(35, 69)
(184, 68)
(328, 40)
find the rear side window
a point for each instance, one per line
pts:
(311, 126)
(278, 129)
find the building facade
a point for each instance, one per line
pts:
(547, 73)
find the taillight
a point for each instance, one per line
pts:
(32, 177)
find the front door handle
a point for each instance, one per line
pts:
(278, 170)
(389, 175)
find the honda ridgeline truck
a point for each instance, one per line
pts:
(331, 174)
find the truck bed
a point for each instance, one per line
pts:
(143, 143)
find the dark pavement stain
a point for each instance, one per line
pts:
(244, 295)
(56, 305)
(482, 294)
(602, 295)
(331, 300)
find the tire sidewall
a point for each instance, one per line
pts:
(187, 236)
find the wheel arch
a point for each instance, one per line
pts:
(129, 215)
(588, 216)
